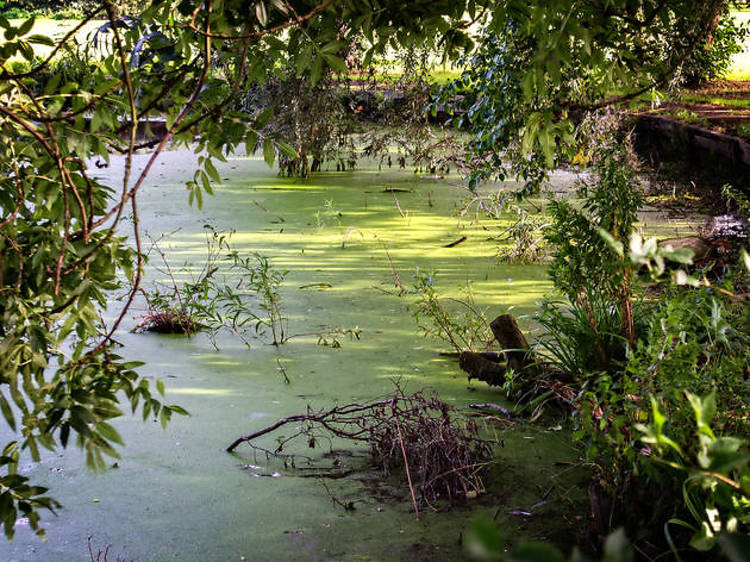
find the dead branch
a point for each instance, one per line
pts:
(442, 456)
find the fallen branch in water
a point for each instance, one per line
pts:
(491, 407)
(455, 242)
(396, 279)
(400, 212)
(442, 455)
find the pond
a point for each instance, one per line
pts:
(176, 494)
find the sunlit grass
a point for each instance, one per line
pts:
(740, 69)
(714, 100)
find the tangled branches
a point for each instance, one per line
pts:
(442, 458)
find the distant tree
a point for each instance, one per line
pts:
(541, 67)
(712, 58)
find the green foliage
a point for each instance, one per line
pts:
(689, 337)
(484, 541)
(62, 10)
(610, 205)
(737, 199)
(581, 339)
(62, 233)
(525, 238)
(540, 68)
(231, 292)
(715, 472)
(457, 322)
(310, 117)
(259, 277)
(592, 332)
(712, 58)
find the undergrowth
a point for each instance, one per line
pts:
(658, 354)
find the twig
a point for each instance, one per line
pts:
(400, 212)
(347, 506)
(491, 406)
(455, 242)
(406, 465)
(282, 370)
(403, 290)
(441, 458)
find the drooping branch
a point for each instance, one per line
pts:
(258, 34)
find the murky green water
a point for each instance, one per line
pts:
(177, 495)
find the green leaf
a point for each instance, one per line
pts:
(681, 255)
(164, 417)
(212, 171)
(615, 245)
(261, 13)
(262, 120)
(535, 552)
(333, 46)
(336, 63)
(316, 70)
(109, 433)
(7, 412)
(704, 540)
(287, 149)
(268, 151)
(160, 386)
(251, 142)
(617, 547)
(41, 40)
(484, 540)
(26, 26)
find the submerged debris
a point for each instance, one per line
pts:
(442, 456)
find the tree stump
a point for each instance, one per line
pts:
(479, 367)
(486, 366)
(512, 341)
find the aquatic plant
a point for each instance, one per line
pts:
(458, 322)
(102, 555)
(579, 238)
(523, 240)
(208, 302)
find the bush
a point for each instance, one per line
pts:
(715, 485)
(592, 331)
(634, 347)
(713, 58)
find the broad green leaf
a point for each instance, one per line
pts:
(336, 63)
(7, 412)
(268, 151)
(316, 70)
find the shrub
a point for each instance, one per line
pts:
(712, 58)
(599, 290)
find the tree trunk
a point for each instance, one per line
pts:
(512, 341)
(479, 367)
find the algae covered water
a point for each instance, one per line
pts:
(177, 495)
